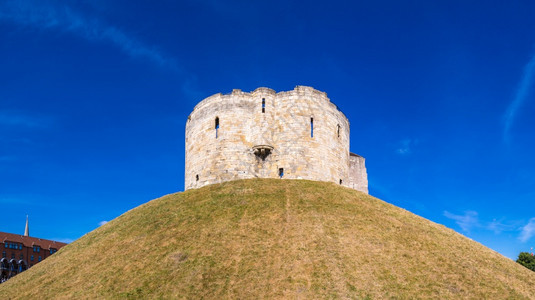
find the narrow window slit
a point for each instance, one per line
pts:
(197, 177)
(338, 130)
(340, 181)
(263, 105)
(216, 126)
(312, 127)
(281, 172)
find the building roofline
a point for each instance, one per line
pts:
(29, 241)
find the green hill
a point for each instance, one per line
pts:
(268, 238)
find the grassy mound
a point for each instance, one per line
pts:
(267, 238)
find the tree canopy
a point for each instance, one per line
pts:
(527, 260)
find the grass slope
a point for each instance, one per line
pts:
(268, 238)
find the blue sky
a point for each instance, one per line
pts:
(94, 96)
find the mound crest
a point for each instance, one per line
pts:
(269, 238)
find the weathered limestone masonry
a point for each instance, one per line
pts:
(298, 134)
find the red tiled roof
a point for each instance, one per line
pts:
(29, 241)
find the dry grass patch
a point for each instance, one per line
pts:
(267, 238)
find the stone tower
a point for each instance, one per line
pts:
(297, 134)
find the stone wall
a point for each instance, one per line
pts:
(298, 133)
(358, 178)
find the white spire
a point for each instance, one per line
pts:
(27, 229)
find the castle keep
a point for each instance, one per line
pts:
(298, 134)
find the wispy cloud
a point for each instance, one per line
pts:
(63, 240)
(527, 231)
(499, 226)
(406, 146)
(521, 94)
(467, 221)
(52, 15)
(102, 223)
(470, 220)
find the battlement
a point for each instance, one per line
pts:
(297, 134)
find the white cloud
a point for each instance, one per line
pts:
(49, 15)
(467, 221)
(521, 94)
(102, 223)
(527, 231)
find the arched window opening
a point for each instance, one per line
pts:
(263, 105)
(340, 181)
(13, 268)
(4, 270)
(281, 172)
(197, 177)
(216, 126)
(311, 127)
(23, 266)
